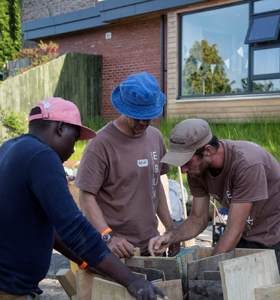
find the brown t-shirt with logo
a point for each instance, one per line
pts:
(124, 174)
(250, 174)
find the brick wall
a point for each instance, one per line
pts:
(39, 9)
(133, 48)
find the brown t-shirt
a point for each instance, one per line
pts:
(124, 174)
(250, 174)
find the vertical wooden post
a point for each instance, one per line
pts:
(191, 242)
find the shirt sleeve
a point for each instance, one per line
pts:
(165, 168)
(197, 188)
(46, 179)
(250, 184)
(93, 169)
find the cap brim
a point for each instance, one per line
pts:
(150, 112)
(86, 133)
(177, 159)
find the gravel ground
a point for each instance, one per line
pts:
(52, 289)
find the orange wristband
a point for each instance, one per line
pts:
(83, 265)
(106, 231)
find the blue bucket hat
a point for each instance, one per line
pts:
(139, 97)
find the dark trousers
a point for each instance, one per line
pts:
(252, 245)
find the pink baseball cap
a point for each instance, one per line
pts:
(58, 109)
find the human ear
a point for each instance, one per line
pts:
(60, 128)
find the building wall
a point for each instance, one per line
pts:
(39, 9)
(133, 48)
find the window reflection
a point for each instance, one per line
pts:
(266, 5)
(266, 61)
(214, 57)
(271, 85)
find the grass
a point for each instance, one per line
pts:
(264, 131)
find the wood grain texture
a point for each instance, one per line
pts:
(68, 281)
(271, 292)
(240, 276)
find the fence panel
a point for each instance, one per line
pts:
(74, 76)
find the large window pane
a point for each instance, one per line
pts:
(266, 5)
(214, 57)
(266, 61)
(272, 85)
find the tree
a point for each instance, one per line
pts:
(198, 77)
(10, 29)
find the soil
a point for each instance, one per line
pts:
(52, 289)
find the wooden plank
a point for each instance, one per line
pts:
(68, 281)
(196, 268)
(238, 252)
(172, 288)
(271, 292)
(152, 274)
(84, 283)
(205, 289)
(170, 266)
(211, 275)
(105, 290)
(240, 276)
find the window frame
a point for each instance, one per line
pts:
(251, 48)
(259, 16)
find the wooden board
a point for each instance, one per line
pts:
(172, 288)
(271, 292)
(105, 290)
(205, 289)
(171, 266)
(240, 276)
(196, 268)
(84, 283)
(238, 252)
(68, 281)
(152, 274)
(211, 275)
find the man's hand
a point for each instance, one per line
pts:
(158, 244)
(121, 247)
(144, 290)
(173, 249)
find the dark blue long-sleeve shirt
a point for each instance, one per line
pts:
(35, 199)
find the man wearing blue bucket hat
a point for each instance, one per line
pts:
(119, 175)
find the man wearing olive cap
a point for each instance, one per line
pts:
(119, 175)
(242, 176)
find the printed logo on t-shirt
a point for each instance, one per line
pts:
(142, 163)
(228, 197)
(249, 223)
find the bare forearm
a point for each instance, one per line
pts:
(92, 211)
(227, 242)
(187, 230)
(163, 210)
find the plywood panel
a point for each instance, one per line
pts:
(103, 290)
(240, 276)
(271, 292)
(170, 266)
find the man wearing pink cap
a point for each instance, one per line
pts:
(35, 201)
(119, 175)
(242, 176)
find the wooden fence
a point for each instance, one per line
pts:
(74, 76)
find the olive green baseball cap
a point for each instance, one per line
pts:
(184, 139)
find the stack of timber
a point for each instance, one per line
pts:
(245, 274)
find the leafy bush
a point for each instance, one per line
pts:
(38, 56)
(15, 123)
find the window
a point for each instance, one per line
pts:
(263, 28)
(214, 58)
(230, 50)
